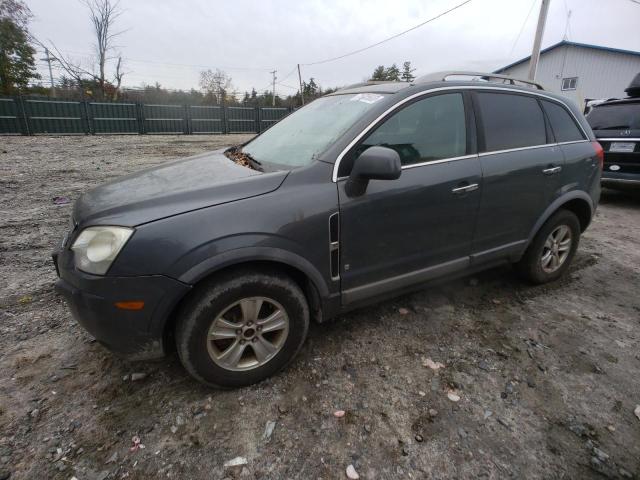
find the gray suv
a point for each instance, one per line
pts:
(361, 195)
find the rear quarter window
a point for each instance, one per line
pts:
(511, 121)
(563, 125)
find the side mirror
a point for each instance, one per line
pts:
(375, 163)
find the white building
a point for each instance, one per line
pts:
(580, 71)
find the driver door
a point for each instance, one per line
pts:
(420, 226)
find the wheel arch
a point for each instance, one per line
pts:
(297, 268)
(576, 201)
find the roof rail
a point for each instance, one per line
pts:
(443, 76)
(365, 83)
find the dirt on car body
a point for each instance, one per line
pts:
(535, 382)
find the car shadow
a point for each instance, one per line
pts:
(628, 197)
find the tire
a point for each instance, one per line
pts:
(201, 330)
(531, 268)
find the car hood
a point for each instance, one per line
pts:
(176, 187)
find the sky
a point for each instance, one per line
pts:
(171, 41)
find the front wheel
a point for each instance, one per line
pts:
(552, 249)
(241, 328)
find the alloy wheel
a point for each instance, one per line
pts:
(248, 333)
(556, 249)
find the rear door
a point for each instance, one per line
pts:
(521, 167)
(401, 232)
(579, 165)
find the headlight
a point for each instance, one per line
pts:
(97, 247)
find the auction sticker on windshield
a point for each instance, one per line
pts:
(367, 97)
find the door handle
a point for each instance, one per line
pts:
(551, 170)
(465, 189)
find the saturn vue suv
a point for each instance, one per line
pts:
(366, 193)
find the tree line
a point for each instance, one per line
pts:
(102, 78)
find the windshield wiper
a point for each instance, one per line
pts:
(255, 164)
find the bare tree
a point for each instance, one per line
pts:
(17, 11)
(215, 84)
(117, 77)
(103, 14)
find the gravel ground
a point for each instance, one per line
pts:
(547, 377)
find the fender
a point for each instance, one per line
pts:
(555, 205)
(247, 254)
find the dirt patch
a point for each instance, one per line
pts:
(547, 376)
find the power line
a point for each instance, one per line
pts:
(289, 74)
(287, 86)
(522, 28)
(389, 38)
(88, 55)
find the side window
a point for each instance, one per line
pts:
(511, 121)
(564, 127)
(430, 129)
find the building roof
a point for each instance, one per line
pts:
(570, 44)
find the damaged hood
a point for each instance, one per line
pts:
(175, 187)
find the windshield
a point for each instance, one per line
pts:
(297, 139)
(618, 116)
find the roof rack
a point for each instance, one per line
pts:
(366, 83)
(476, 76)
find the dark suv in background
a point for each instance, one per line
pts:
(616, 124)
(362, 194)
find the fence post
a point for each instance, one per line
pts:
(88, 123)
(187, 120)
(140, 117)
(25, 119)
(258, 123)
(225, 124)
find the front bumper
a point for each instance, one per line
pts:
(136, 334)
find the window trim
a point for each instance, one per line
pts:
(481, 130)
(373, 123)
(469, 148)
(548, 119)
(435, 162)
(575, 86)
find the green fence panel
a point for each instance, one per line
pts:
(20, 115)
(113, 117)
(271, 115)
(61, 117)
(206, 119)
(164, 119)
(10, 117)
(242, 119)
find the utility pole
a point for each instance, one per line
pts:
(300, 80)
(535, 53)
(273, 93)
(48, 60)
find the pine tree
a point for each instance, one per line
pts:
(407, 72)
(379, 73)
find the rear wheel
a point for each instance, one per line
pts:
(241, 328)
(550, 254)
